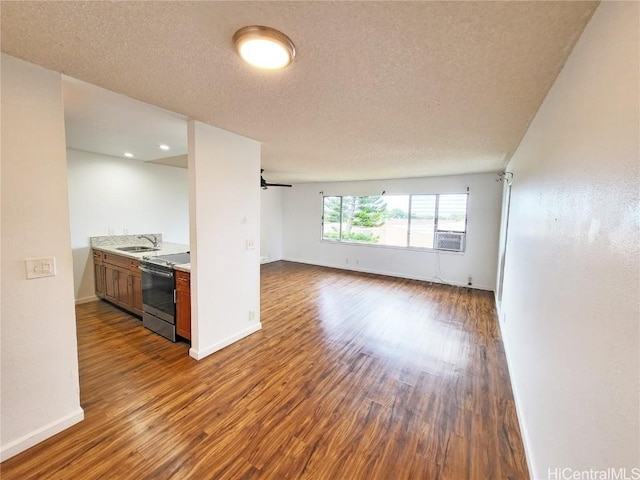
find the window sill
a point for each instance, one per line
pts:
(391, 247)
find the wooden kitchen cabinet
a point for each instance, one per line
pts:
(183, 304)
(110, 283)
(123, 293)
(136, 286)
(117, 286)
(122, 281)
(99, 276)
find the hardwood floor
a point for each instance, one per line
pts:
(352, 377)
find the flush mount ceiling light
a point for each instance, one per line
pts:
(163, 147)
(128, 154)
(264, 47)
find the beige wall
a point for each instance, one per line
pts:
(570, 313)
(39, 386)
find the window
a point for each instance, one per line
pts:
(393, 220)
(452, 213)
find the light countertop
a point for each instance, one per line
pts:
(111, 244)
(166, 248)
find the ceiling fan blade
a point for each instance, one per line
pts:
(277, 185)
(264, 184)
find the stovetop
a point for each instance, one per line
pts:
(169, 260)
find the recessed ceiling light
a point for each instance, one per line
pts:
(128, 155)
(163, 147)
(264, 47)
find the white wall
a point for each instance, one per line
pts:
(120, 195)
(302, 230)
(224, 209)
(271, 225)
(40, 393)
(570, 309)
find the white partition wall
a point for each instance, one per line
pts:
(570, 312)
(40, 393)
(224, 213)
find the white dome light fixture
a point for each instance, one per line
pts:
(264, 47)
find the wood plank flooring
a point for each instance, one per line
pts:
(352, 377)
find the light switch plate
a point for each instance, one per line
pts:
(251, 244)
(40, 267)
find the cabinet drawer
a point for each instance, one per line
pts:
(97, 257)
(133, 268)
(183, 281)
(116, 260)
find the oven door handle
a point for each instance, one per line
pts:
(156, 272)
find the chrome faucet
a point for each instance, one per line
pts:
(153, 240)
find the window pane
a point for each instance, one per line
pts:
(452, 213)
(348, 208)
(360, 218)
(394, 230)
(331, 218)
(423, 212)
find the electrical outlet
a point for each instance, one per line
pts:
(251, 244)
(470, 281)
(252, 315)
(346, 261)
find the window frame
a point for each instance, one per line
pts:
(407, 246)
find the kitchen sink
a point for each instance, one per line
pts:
(138, 248)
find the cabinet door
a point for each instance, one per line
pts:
(183, 314)
(99, 279)
(110, 275)
(136, 294)
(123, 289)
(98, 269)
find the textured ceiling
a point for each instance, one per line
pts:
(97, 120)
(377, 90)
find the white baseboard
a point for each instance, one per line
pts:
(391, 274)
(516, 398)
(41, 434)
(200, 354)
(92, 298)
(268, 260)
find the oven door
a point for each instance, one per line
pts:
(158, 292)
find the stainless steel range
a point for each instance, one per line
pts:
(159, 294)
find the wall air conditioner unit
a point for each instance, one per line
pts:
(453, 242)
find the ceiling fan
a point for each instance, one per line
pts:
(264, 184)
